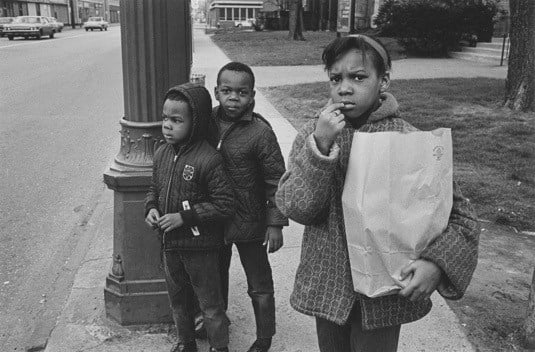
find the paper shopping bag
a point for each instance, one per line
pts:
(397, 198)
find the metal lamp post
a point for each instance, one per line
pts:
(156, 54)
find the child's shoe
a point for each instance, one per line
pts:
(185, 347)
(260, 345)
(224, 349)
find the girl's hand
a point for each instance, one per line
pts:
(330, 124)
(169, 222)
(152, 218)
(273, 239)
(424, 281)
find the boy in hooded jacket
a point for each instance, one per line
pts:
(254, 163)
(188, 201)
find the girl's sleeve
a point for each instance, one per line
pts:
(304, 190)
(455, 251)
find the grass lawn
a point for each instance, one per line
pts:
(272, 48)
(494, 148)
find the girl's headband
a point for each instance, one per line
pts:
(380, 50)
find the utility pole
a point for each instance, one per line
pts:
(156, 51)
(71, 4)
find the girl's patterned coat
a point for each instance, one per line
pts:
(310, 193)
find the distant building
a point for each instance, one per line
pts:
(49, 8)
(224, 13)
(61, 9)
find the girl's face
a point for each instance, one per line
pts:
(356, 83)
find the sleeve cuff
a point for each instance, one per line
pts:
(317, 158)
(148, 207)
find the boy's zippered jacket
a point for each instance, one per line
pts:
(310, 193)
(193, 172)
(254, 164)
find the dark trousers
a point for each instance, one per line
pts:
(352, 338)
(255, 263)
(190, 273)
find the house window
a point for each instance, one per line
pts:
(229, 15)
(250, 13)
(236, 14)
(221, 14)
(243, 14)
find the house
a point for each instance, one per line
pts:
(226, 13)
(61, 9)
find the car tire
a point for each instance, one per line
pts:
(105, 28)
(91, 29)
(51, 36)
(101, 29)
(38, 36)
(87, 29)
(60, 30)
(10, 37)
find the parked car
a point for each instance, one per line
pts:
(59, 25)
(244, 23)
(29, 26)
(4, 21)
(95, 23)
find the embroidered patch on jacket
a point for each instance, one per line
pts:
(188, 172)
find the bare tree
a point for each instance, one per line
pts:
(520, 83)
(296, 20)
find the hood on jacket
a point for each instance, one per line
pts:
(200, 102)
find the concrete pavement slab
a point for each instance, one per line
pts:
(83, 326)
(269, 76)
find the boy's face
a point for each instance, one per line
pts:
(356, 83)
(235, 93)
(176, 121)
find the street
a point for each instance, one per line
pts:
(60, 104)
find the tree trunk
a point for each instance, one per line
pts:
(322, 23)
(529, 325)
(520, 83)
(296, 20)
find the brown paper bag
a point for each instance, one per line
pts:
(397, 198)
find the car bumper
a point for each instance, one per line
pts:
(21, 32)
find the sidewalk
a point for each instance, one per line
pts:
(82, 325)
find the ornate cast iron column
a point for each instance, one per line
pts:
(156, 46)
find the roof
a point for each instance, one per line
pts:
(236, 3)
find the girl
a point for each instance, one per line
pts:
(310, 193)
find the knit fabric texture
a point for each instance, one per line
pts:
(310, 193)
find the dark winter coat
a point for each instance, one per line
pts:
(254, 163)
(194, 173)
(310, 193)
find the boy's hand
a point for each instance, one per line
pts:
(273, 239)
(424, 281)
(152, 218)
(169, 222)
(330, 124)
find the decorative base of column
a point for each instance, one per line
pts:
(137, 302)
(135, 291)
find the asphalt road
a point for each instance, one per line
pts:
(60, 104)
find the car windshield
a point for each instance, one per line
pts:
(27, 20)
(95, 19)
(5, 20)
(51, 19)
